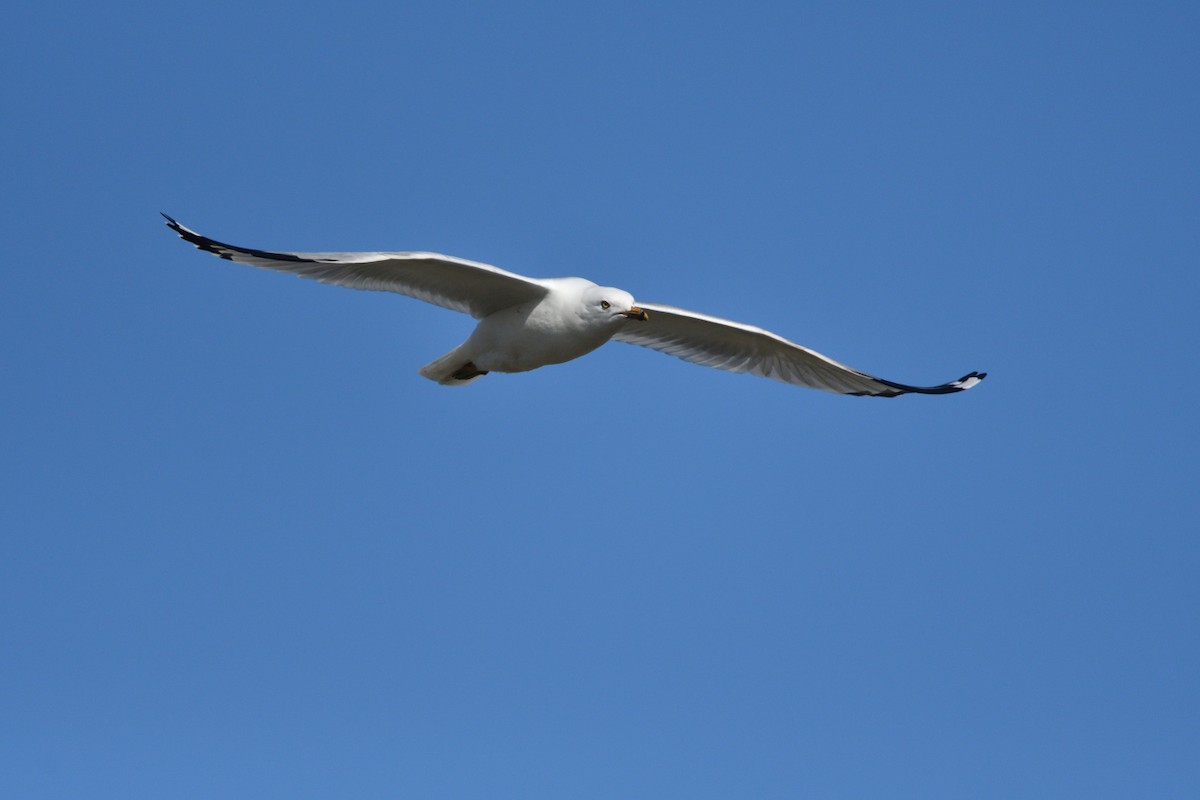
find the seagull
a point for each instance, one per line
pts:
(526, 323)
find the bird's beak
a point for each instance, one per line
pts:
(636, 313)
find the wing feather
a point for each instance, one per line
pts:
(455, 283)
(724, 344)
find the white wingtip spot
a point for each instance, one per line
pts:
(971, 380)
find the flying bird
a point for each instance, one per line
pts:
(526, 323)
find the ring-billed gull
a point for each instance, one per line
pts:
(526, 323)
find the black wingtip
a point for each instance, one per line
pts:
(968, 381)
(186, 234)
(202, 242)
(228, 251)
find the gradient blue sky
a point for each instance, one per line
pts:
(248, 552)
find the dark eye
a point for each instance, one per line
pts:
(604, 304)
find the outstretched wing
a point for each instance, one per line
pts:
(720, 343)
(454, 283)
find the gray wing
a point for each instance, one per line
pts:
(454, 283)
(720, 343)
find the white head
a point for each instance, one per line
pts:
(606, 304)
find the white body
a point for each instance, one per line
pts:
(566, 323)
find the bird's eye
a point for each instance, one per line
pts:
(604, 304)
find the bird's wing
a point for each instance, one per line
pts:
(454, 283)
(720, 343)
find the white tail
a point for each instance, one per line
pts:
(443, 370)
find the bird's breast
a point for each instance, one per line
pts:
(525, 338)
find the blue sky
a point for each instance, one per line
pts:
(249, 552)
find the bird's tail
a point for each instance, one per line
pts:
(452, 369)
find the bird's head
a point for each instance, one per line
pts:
(611, 305)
